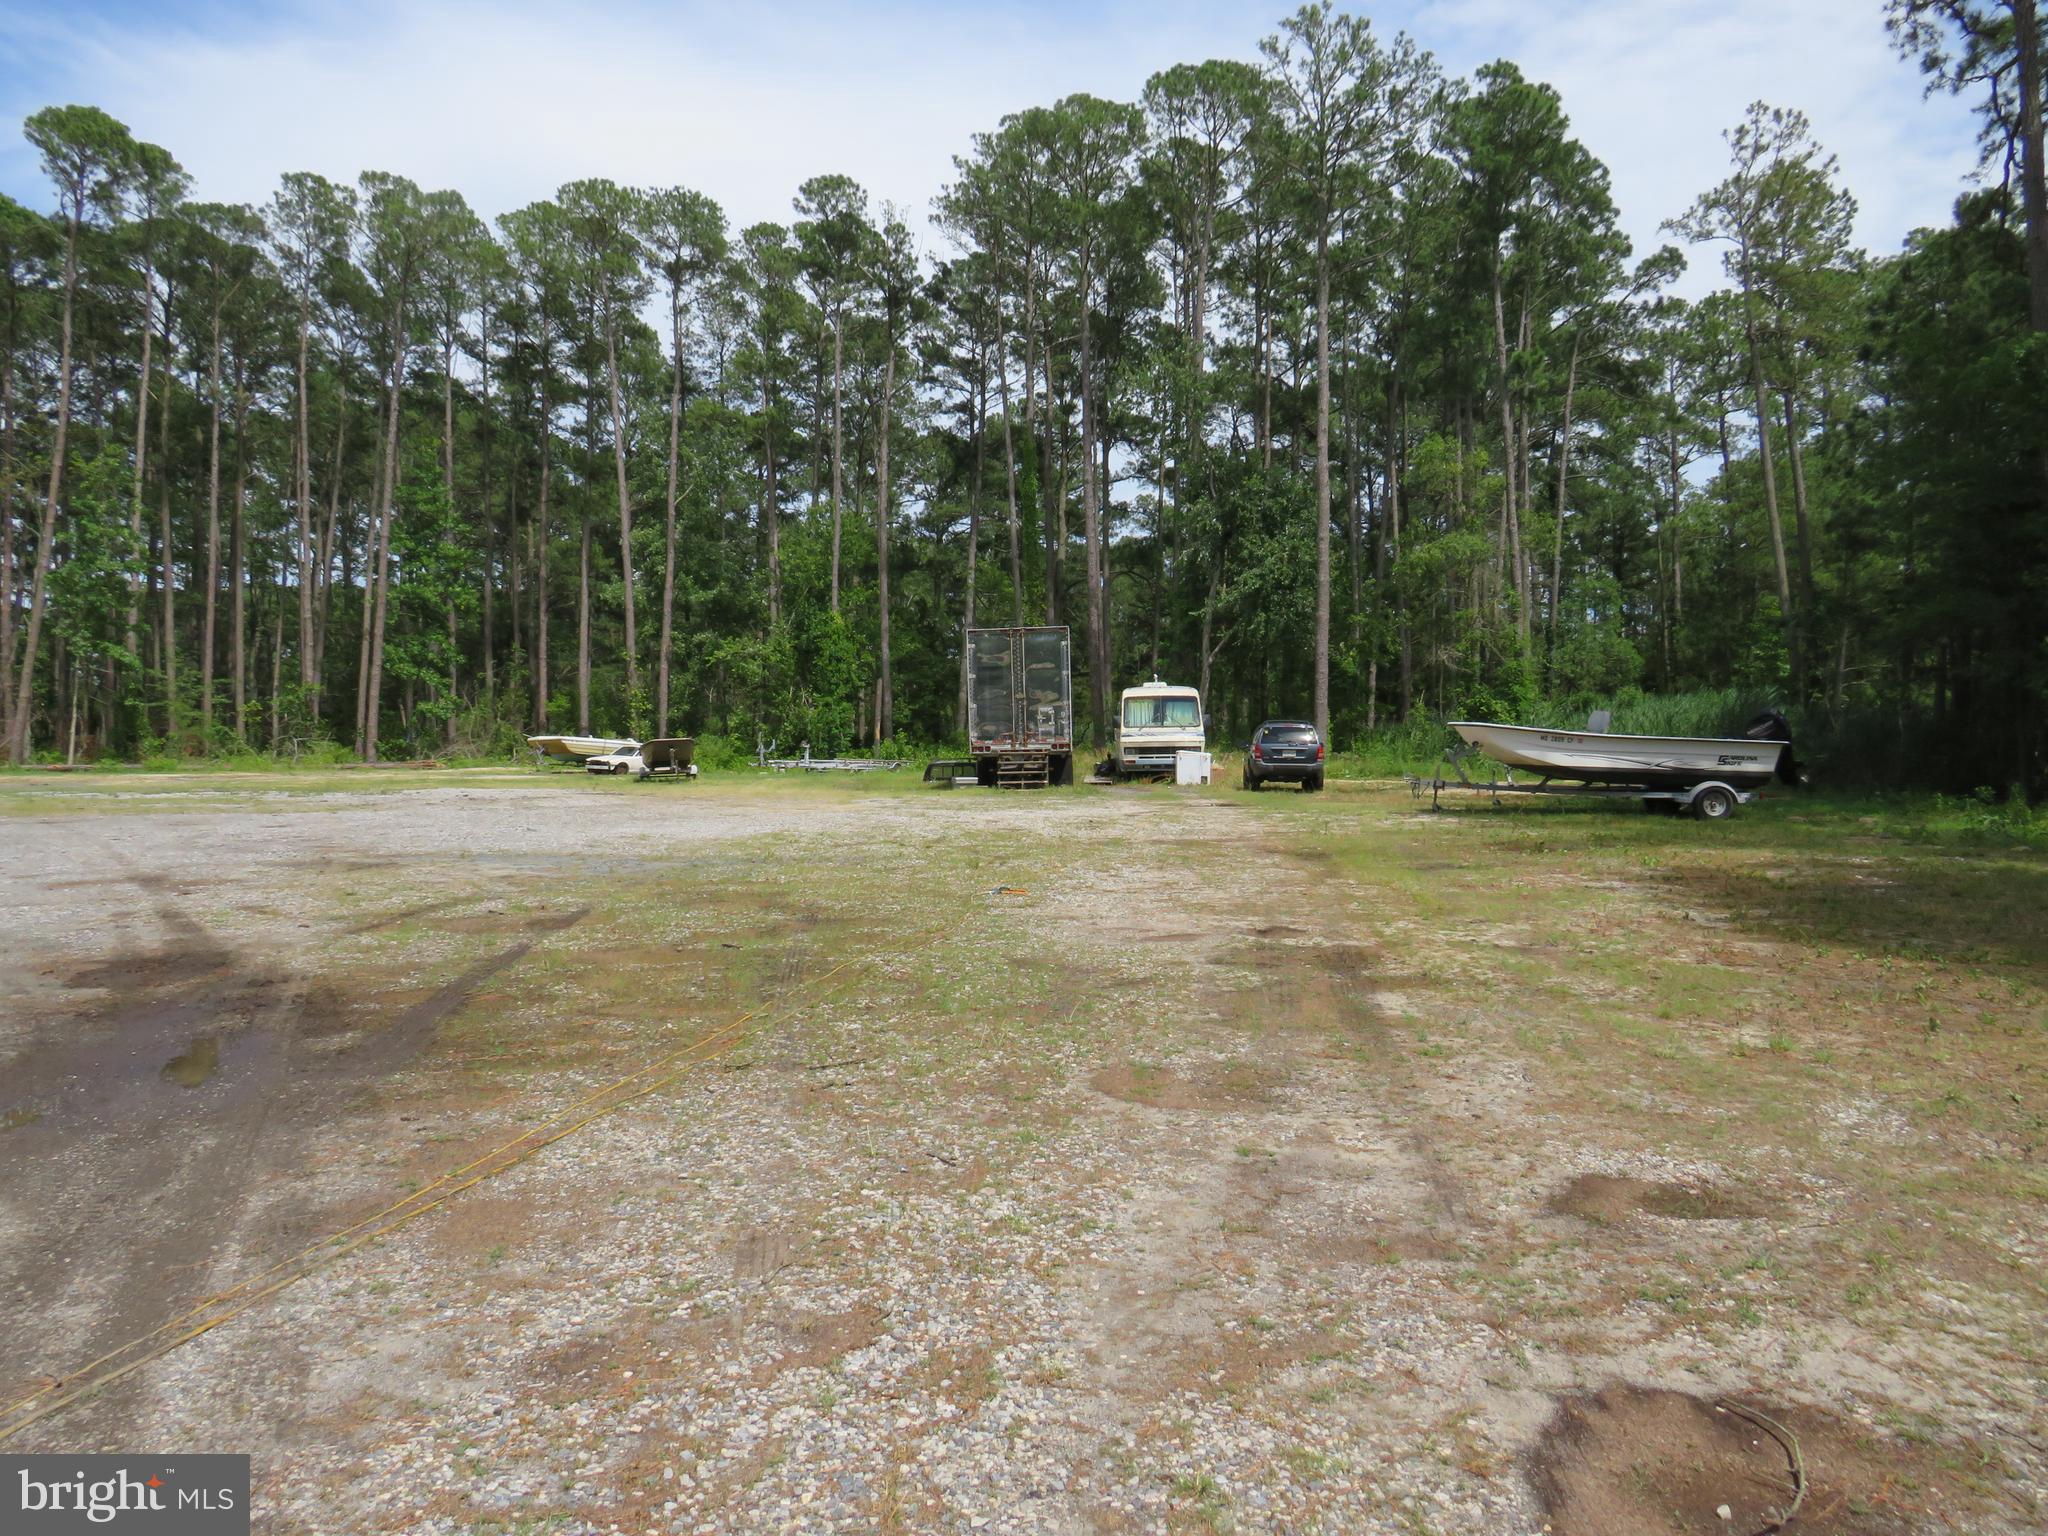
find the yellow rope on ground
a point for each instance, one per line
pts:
(336, 1245)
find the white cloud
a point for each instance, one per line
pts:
(507, 101)
(1651, 87)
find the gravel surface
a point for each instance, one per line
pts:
(1101, 1207)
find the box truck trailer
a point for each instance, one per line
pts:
(1020, 706)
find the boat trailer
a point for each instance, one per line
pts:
(1709, 800)
(810, 764)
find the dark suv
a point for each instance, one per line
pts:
(1284, 752)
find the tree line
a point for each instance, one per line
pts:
(1326, 381)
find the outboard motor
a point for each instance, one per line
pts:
(1772, 726)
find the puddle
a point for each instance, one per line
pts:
(195, 1064)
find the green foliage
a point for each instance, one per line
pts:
(1547, 482)
(430, 583)
(89, 589)
(1594, 653)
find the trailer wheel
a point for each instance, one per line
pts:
(1713, 804)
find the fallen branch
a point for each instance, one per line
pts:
(1790, 1444)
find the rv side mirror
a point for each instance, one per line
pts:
(1208, 724)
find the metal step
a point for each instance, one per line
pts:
(1023, 770)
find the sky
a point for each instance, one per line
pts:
(505, 102)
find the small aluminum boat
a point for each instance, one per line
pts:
(1598, 757)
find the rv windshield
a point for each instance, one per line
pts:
(1179, 712)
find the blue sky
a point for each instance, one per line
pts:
(506, 101)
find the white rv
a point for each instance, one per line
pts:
(1154, 721)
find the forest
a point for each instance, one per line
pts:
(1322, 379)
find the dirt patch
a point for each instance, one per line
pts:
(130, 974)
(1628, 1460)
(409, 1034)
(962, 1374)
(1379, 1245)
(500, 921)
(1222, 1085)
(487, 1226)
(818, 1340)
(1608, 1200)
(1342, 959)
(761, 1252)
(378, 922)
(1235, 1358)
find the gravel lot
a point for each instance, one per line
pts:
(1092, 1162)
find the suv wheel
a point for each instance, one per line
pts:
(1252, 780)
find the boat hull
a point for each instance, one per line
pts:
(669, 754)
(573, 749)
(1650, 762)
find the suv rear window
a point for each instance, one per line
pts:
(1289, 735)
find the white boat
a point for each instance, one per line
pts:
(574, 749)
(1600, 757)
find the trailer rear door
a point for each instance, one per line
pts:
(1048, 688)
(991, 686)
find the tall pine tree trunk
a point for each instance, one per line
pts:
(448, 501)
(380, 574)
(583, 628)
(885, 699)
(771, 502)
(1511, 523)
(668, 545)
(135, 578)
(1564, 457)
(206, 644)
(837, 359)
(1322, 679)
(304, 490)
(1010, 472)
(1786, 611)
(1795, 451)
(7, 482)
(167, 551)
(973, 532)
(1091, 520)
(46, 540)
(611, 362)
(238, 559)
(323, 612)
(541, 535)
(2033, 153)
